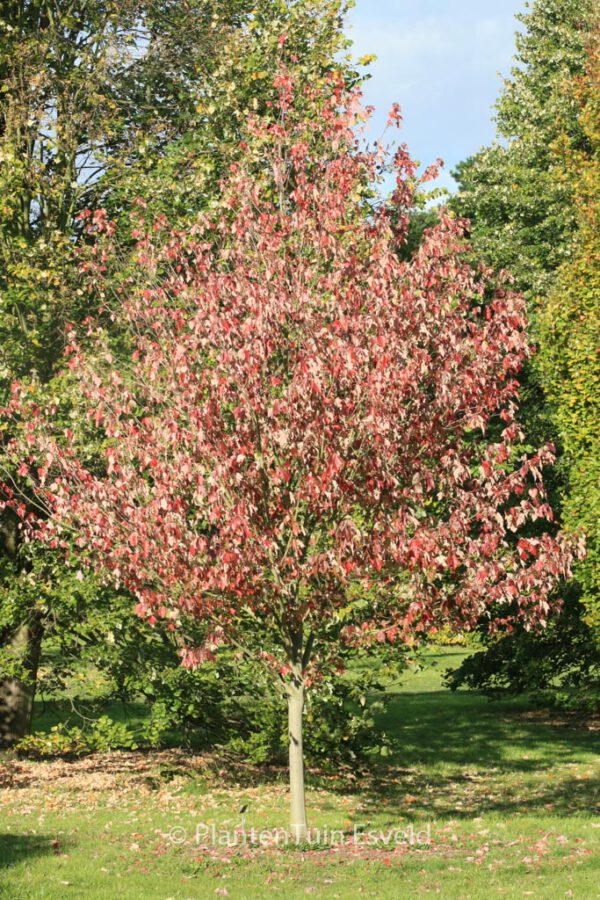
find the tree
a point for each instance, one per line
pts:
(86, 86)
(526, 203)
(521, 207)
(180, 178)
(523, 215)
(293, 446)
(569, 328)
(77, 93)
(102, 101)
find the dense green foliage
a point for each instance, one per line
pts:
(522, 210)
(102, 102)
(215, 705)
(85, 86)
(560, 666)
(569, 361)
(532, 198)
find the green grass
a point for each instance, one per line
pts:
(510, 797)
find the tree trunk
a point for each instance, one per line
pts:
(295, 697)
(16, 695)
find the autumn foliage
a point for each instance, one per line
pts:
(302, 408)
(297, 437)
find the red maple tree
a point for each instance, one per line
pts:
(297, 439)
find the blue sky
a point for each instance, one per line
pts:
(442, 60)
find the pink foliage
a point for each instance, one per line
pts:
(297, 430)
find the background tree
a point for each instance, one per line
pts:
(522, 212)
(525, 198)
(293, 450)
(101, 101)
(180, 177)
(569, 329)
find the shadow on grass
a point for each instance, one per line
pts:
(457, 754)
(419, 797)
(436, 728)
(18, 848)
(460, 755)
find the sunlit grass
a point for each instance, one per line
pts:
(508, 797)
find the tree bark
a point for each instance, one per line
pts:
(295, 697)
(17, 695)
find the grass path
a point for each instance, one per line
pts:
(498, 801)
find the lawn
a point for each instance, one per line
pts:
(492, 800)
